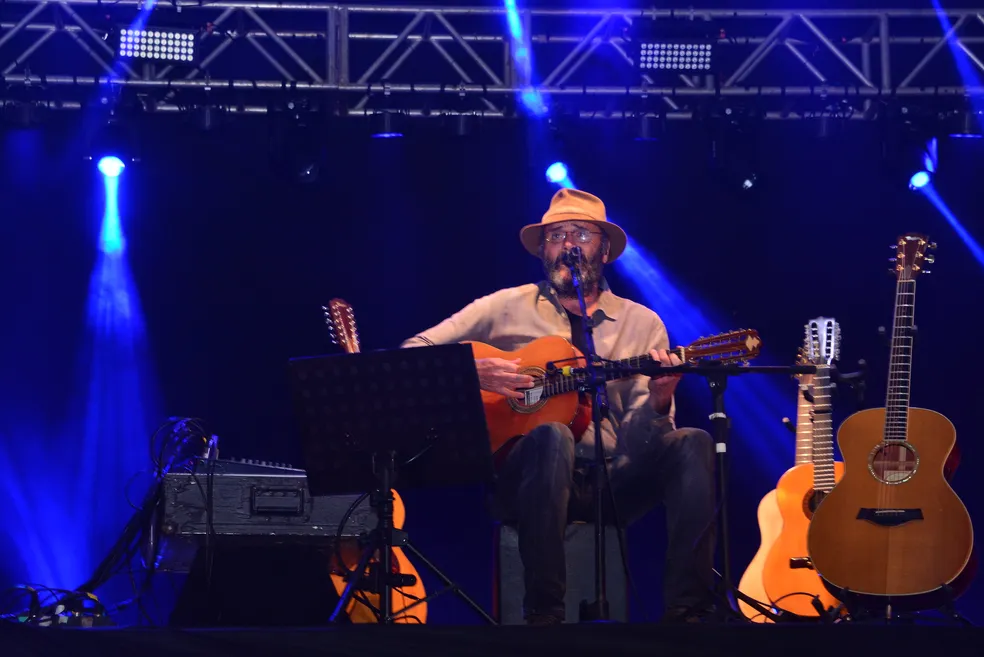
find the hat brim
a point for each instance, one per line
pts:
(530, 235)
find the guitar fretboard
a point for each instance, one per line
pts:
(900, 363)
(823, 432)
(561, 385)
(804, 427)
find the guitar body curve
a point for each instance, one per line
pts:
(786, 586)
(921, 541)
(509, 418)
(356, 610)
(752, 583)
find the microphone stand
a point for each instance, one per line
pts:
(596, 610)
(717, 376)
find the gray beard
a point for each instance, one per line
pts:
(590, 276)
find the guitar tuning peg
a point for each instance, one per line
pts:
(932, 245)
(894, 246)
(892, 259)
(926, 271)
(930, 259)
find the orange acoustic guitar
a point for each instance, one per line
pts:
(556, 397)
(893, 533)
(790, 582)
(363, 605)
(769, 516)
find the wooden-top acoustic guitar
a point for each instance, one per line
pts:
(790, 582)
(555, 395)
(893, 532)
(769, 516)
(340, 319)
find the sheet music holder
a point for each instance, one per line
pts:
(377, 420)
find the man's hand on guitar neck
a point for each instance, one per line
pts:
(661, 388)
(500, 375)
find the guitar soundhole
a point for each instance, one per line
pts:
(893, 463)
(536, 397)
(812, 501)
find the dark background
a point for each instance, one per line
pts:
(233, 256)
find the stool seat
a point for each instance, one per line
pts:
(508, 584)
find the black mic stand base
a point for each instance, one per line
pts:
(380, 578)
(595, 611)
(448, 584)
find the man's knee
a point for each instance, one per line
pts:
(553, 437)
(694, 445)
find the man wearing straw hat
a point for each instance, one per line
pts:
(541, 484)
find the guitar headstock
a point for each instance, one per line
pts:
(340, 319)
(822, 341)
(731, 347)
(802, 358)
(910, 256)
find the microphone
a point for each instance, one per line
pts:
(571, 258)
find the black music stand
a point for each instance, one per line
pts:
(371, 417)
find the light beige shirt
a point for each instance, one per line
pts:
(512, 318)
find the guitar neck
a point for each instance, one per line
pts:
(611, 369)
(900, 363)
(804, 422)
(823, 432)
(611, 373)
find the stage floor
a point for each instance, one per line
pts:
(402, 641)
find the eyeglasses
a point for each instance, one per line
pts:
(580, 235)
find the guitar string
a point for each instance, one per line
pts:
(556, 383)
(896, 415)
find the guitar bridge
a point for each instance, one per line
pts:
(890, 517)
(798, 563)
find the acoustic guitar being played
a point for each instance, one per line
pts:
(769, 516)
(791, 584)
(892, 533)
(363, 606)
(557, 396)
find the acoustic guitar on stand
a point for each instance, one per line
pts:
(556, 395)
(893, 533)
(769, 516)
(791, 584)
(340, 319)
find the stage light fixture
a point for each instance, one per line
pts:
(386, 125)
(111, 166)
(674, 45)
(965, 124)
(160, 45)
(692, 57)
(557, 173)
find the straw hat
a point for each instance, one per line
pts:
(575, 205)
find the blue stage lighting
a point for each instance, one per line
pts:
(919, 180)
(556, 172)
(111, 166)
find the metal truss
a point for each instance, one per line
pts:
(257, 56)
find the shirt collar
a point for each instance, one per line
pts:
(609, 304)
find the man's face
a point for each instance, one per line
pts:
(561, 237)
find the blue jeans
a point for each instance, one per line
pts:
(539, 489)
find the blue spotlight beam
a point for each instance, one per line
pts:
(522, 57)
(961, 57)
(756, 406)
(972, 244)
(121, 392)
(65, 516)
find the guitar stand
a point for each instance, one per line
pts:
(380, 578)
(860, 613)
